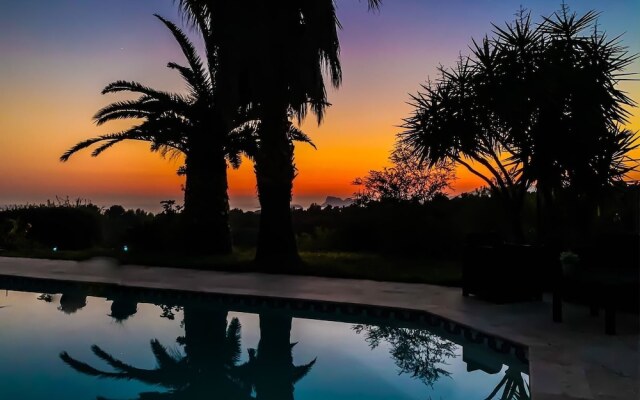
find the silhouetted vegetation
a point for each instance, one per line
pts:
(417, 352)
(536, 105)
(405, 181)
(389, 227)
(61, 224)
(177, 124)
(511, 387)
(210, 362)
(535, 112)
(270, 371)
(287, 48)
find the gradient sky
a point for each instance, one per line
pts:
(56, 56)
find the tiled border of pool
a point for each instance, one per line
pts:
(573, 360)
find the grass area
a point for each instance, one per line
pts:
(325, 264)
(382, 268)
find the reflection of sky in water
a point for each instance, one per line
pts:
(34, 332)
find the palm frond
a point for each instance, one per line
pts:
(197, 77)
(374, 4)
(301, 371)
(162, 356)
(128, 371)
(134, 87)
(129, 109)
(297, 135)
(86, 369)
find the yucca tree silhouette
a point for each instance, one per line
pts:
(209, 367)
(270, 371)
(536, 104)
(582, 123)
(286, 48)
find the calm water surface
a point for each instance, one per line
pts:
(73, 346)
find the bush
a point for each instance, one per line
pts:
(64, 226)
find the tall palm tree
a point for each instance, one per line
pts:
(208, 367)
(286, 48)
(180, 124)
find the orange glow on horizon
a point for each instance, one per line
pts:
(50, 87)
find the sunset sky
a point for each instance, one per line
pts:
(57, 55)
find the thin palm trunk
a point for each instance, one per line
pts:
(275, 172)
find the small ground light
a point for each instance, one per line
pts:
(55, 248)
(125, 248)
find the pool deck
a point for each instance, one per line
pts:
(572, 360)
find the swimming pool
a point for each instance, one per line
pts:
(72, 341)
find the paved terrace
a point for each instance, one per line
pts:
(572, 360)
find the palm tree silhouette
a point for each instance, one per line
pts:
(287, 47)
(179, 124)
(270, 370)
(208, 366)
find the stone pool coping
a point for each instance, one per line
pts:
(572, 360)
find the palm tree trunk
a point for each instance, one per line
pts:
(205, 333)
(275, 361)
(275, 172)
(206, 202)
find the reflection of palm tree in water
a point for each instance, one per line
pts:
(270, 370)
(515, 387)
(415, 351)
(209, 365)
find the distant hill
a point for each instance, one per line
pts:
(337, 202)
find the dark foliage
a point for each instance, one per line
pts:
(416, 352)
(62, 225)
(535, 105)
(439, 227)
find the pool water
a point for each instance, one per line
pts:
(73, 345)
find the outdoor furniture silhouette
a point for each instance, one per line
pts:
(486, 268)
(608, 277)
